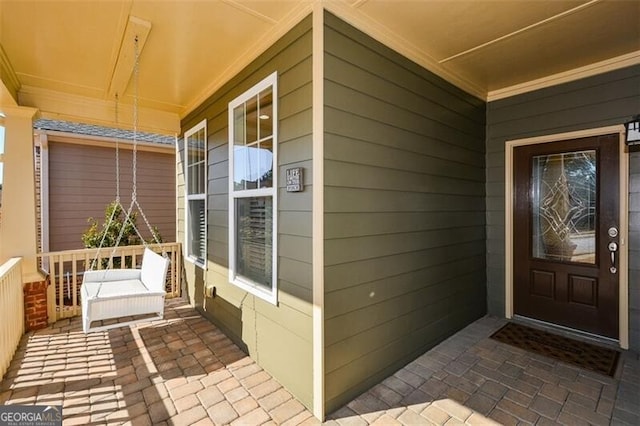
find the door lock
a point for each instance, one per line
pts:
(613, 247)
(613, 232)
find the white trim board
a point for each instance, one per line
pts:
(317, 217)
(623, 220)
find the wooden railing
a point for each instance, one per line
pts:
(66, 268)
(11, 311)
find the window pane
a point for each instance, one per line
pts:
(253, 164)
(245, 167)
(238, 125)
(266, 163)
(195, 162)
(252, 120)
(254, 239)
(564, 207)
(197, 229)
(266, 113)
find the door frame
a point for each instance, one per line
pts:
(623, 304)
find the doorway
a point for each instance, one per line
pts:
(567, 264)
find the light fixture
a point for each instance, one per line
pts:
(264, 117)
(632, 130)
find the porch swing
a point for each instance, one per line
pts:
(117, 293)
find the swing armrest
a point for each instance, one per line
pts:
(111, 275)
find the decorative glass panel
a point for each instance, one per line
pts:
(564, 207)
(254, 239)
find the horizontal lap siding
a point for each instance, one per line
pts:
(404, 211)
(82, 182)
(599, 101)
(259, 327)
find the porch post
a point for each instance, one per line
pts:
(18, 220)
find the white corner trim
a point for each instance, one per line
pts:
(317, 216)
(9, 77)
(590, 70)
(44, 193)
(623, 308)
(623, 304)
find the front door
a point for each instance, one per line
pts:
(565, 240)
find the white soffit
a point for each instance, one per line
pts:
(490, 47)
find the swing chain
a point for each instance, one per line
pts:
(136, 72)
(134, 189)
(117, 158)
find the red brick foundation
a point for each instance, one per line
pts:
(35, 305)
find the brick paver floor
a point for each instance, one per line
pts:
(185, 371)
(472, 379)
(182, 371)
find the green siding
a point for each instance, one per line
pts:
(603, 100)
(262, 329)
(404, 211)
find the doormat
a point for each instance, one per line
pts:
(581, 354)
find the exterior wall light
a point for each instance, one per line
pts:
(632, 129)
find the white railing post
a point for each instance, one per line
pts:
(11, 310)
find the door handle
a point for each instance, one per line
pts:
(613, 247)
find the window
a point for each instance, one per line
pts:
(252, 190)
(195, 176)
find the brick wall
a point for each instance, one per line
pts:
(35, 305)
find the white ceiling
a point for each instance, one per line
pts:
(64, 53)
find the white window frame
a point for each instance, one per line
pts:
(269, 295)
(191, 197)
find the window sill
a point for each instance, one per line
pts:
(195, 261)
(270, 296)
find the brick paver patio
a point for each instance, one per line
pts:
(183, 371)
(472, 379)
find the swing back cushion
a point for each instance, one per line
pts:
(117, 293)
(154, 271)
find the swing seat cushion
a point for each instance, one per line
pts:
(118, 293)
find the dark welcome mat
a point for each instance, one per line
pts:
(581, 354)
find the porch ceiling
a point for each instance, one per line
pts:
(63, 55)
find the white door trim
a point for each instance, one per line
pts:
(623, 220)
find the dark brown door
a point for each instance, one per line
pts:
(566, 243)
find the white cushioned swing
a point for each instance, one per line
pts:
(116, 293)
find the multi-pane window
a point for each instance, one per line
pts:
(252, 189)
(195, 142)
